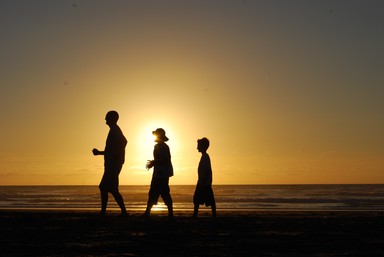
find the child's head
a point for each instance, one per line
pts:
(202, 144)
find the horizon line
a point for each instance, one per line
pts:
(277, 184)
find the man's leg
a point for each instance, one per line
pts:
(104, 201)
(120, 201)
(114, 186)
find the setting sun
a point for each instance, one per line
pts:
(234, 72)
(145, 140)
(289, 95)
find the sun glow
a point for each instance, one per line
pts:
(146, 140)
(145, 143)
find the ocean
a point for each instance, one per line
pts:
(228, 197)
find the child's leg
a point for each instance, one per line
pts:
(195, 210)
(213, 207)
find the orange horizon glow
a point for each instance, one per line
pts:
(285, 92)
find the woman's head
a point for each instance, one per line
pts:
(160, 135)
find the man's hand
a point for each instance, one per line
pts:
(95, 151)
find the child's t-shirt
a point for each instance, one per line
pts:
(205, 170)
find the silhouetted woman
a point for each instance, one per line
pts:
(162, 171)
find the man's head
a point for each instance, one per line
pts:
(112, 117)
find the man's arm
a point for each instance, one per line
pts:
(97, 152)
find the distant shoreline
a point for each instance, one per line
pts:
(250, 198)
(300, 184)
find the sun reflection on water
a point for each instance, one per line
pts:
(160, 207)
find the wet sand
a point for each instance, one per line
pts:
(265, 233)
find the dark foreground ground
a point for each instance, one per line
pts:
(267, 233)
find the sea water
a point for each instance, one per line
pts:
(228, 197)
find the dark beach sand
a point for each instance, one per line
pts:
(266, 233)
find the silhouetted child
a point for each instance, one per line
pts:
(163, 170)
(204, 193)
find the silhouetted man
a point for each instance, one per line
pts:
(114, 156)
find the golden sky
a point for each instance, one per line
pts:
(286, 91)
